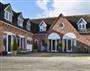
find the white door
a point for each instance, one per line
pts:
(7, 41)
(29, 45)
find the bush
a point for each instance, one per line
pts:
(15, 45)
(34, 46)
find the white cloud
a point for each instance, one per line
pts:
(42, 4)
(67, 7)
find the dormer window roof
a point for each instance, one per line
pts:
(8, 13)
(81, 21)
(43, 23)
(42, 26)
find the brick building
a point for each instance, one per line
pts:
(56, 34)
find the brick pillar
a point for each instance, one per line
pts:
(1, 42)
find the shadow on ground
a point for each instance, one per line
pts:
(53, 55)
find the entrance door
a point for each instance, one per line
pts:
(69, 47)
(53, 46)
(9, 43)
(65, 45)
(22, 43)
(49, 44)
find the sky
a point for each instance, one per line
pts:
(49, 8)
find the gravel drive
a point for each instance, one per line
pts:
(60, 62)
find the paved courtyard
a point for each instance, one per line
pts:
(46, 62)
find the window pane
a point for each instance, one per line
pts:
(80, 26)
(83, 26)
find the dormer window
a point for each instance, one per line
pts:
(20, 20)
(8, 13)
(28, 25)
(81, 25)
(42, 26)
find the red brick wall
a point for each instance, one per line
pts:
(69, 28)
(40, 37)
(9, 28)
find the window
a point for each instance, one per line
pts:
(8, 13)
(82, 27)
(42, 26)
(81, 24)
(8, 16)
(28, 26)
(61, 25)
(29, 42)
(41, 30)
(20, 21)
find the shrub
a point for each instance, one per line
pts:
(34, 46)
(15, 45)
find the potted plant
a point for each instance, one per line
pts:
(14, 47)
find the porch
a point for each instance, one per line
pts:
(57, 43)
(24, 43)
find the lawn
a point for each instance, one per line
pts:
(46, 62)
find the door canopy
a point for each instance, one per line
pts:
(53, 36)
(69, 36)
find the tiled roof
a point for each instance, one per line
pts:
(14, 19)
(72, 19)
(46, 20)
(16, 14)
(36, 23)
(3, 6)
(76, 18)
(49, 21)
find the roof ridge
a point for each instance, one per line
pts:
(43, 18)
(78, 15)
(64, 16)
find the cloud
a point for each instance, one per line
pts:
(67, 7)
(42, 4)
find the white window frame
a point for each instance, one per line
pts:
(20, 21)
(81, 24)
(8, 15)
(81, 28)
(28, 26)
(42, 26)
